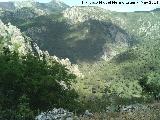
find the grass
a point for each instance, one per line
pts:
(152, 113)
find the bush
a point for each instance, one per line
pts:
(28, 84)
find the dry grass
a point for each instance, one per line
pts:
(152, 113)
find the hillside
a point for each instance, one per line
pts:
(72, 30)
(72, 39)
(117, 52)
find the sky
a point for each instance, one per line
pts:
(120, 8)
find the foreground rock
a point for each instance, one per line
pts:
(56, 114)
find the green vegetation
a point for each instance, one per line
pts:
(29, 83)
(118, 56)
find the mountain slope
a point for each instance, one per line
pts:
(69, 33)
(128, 42)
(72, 40)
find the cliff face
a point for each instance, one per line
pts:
(13, 40)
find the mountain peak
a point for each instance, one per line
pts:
(54, 5)
(82, 13)
(58, 3)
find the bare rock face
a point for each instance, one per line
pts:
(12, 39)
(100, 27)
(56, 114)
(81, 14)
(32, 7)
(58, 4)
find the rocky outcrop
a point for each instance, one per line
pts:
(12, 39)
(81, 14)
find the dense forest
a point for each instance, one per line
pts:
(97, 64)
